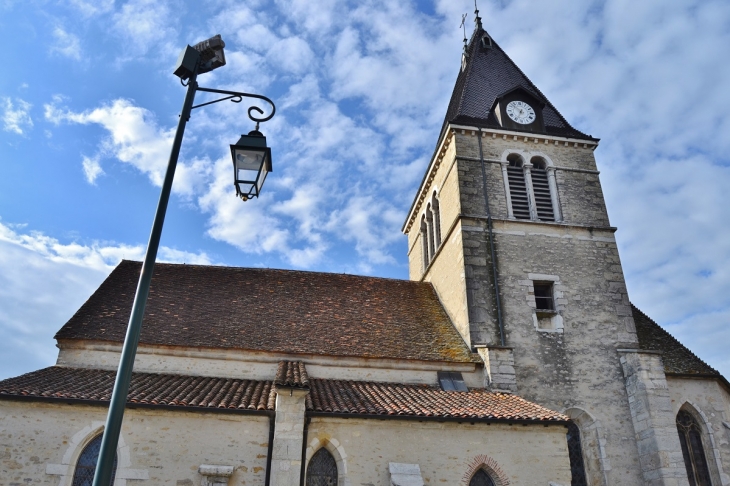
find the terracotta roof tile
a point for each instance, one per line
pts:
(677, 358)
(145, 388)
(274, 310)
(393, 399)
(326, 396)
(291, 374)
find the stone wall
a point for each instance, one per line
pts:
(655, 428)
(446, 452)
(234, 363)
(570, 361)
(40, 443)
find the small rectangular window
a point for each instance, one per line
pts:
(452, 381)
(544, 296)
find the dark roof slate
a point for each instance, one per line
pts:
(677, 358)
(224, 394)
(276, 311)
(490, 73)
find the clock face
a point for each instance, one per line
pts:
(520, 112)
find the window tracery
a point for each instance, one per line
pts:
(690, 439)
(86, 464)
(481, 478)
(322, 469)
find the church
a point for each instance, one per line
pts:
(512, 356)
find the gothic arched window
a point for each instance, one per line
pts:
(575, 454)
(481, 478)
(86, 465)
(322, 469)
(518, 187)
(690, 438)
(541, 190)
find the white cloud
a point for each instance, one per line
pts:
(43, 282)
(66, 44)
(16, 116)
(92, 169)
(145, 24)
(93, 8)
(134, 138)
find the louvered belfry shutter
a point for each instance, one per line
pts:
(541, 189)
(518, 190)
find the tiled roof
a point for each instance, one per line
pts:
(367, 398)
(274, 310)
(144, 389)
(326, 397)
(291, 374)
(677, 358)
(489, 74)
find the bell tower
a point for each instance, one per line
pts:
(510, 226)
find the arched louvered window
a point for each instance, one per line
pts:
(86, 465)
(322, 469)
(575, 454)
(690, 438)
(517, 187)
(424, 242)
(541, 190)
(436, 210)
(481, 478)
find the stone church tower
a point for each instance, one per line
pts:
(510, 227)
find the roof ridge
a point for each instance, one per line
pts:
(267, 269)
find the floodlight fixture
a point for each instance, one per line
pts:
(211, 54)
(201, 58)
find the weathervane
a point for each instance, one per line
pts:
(477, 18)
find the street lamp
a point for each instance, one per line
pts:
(251, 164)
(254, 162)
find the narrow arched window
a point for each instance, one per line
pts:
(517, 187)
(690, 438)
(431, 238)
(435, 208)
(575, 454)
(322, 469)
(86, 465)
(541, 190)
(424, 243)
(481, 478)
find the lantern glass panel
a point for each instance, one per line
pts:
(248, 164)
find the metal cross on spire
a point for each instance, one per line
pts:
(477, 18)
(463, 25)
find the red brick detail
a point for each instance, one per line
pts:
(490, 466)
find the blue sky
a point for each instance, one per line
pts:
(88, 106)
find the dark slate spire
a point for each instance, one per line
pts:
(488, 73)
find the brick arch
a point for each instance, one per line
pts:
(485, 462)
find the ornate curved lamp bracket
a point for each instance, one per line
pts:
(237, 97)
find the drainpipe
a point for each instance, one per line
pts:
(304, 449)
(491, 243)
(270, 452)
